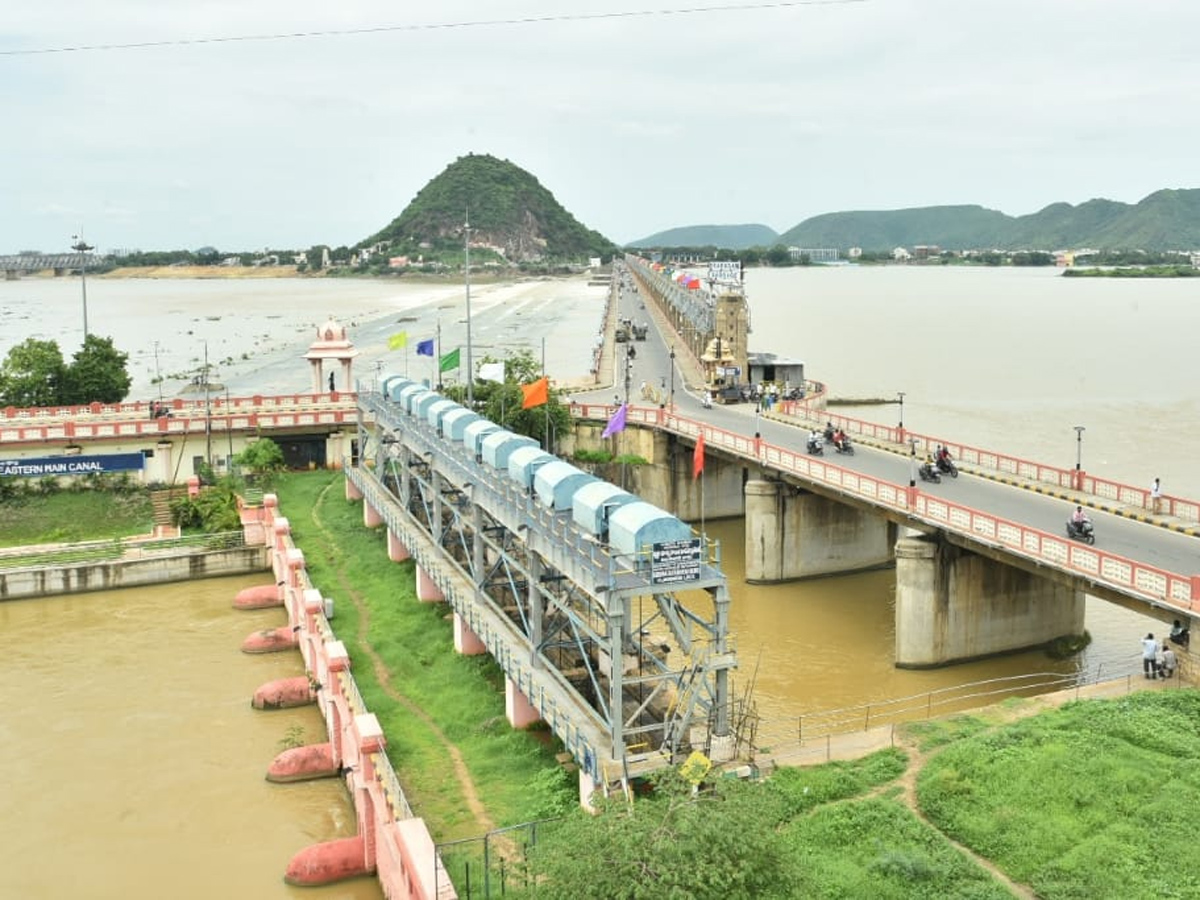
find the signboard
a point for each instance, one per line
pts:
(730, 371)
(38, 467)
(675, 562)
(725, 272)
(695, 767)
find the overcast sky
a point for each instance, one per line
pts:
(636, 123)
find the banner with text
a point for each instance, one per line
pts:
(38, 467)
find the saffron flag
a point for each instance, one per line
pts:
(698, 457)
(449, 361)
(616, 423)
(398, 341)
(492, 372)
(425, 348)
(535, 394)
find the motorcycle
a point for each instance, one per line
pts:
(929, 473)
(845, 446)
(816, 447)
(947, 467)
(1083, 531)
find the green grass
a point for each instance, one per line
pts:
(935, 733)
(66, 517)
(515, 772)
(1091, 800)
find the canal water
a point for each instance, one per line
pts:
(135, 765)
(145, 760)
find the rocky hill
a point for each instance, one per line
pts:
(511, 215)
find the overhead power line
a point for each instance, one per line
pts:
(433, 26)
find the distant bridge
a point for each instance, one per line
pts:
(19, 263)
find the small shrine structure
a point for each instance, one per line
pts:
(333, 345)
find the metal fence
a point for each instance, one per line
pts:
(492, 864)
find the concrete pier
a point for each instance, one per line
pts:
(793, 534)
(953, 605)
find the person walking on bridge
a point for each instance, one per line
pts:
(1150, 656)
(1156, 496)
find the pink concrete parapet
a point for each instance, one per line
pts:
(329, 862)
(284, 693)
(303, 764)
(262, 596)
(271, 640)
(371, 517)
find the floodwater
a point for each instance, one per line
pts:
(147, 765)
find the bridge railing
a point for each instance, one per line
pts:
(1097, 566)
(1003, 463)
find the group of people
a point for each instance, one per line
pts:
(836, 436)
(1158, 662)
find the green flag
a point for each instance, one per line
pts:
(449, 361)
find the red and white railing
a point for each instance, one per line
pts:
(1124, 574)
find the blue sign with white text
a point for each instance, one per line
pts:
(71, 465)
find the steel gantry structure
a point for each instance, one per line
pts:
(628, 673)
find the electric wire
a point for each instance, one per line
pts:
(430, 26)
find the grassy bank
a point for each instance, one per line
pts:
(465, 769)
(65, 517)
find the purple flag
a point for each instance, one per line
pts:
(425, 348)
(616, 423)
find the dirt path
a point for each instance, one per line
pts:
(466, 784)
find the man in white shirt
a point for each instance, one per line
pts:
(1149, 656)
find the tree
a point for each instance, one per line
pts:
(98, 374)
(722, 841)
(32, 374)
(501, 401)
(263, 458)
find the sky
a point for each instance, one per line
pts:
(638, 115)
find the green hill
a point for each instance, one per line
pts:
(1165, 220)
(724, 237)
(511, 214)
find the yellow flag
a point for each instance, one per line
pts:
(398, 341)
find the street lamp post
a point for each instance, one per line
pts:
(82, 246)
(672, 405)
(912, 465)
(1079, 430)
(900, 427)
(467, 276)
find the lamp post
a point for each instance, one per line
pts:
(1079, 430)
(672, 395)
(912, 464)
(900, 427)
(82, 246)
(467, 276)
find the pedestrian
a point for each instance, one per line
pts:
(1149, 655)
(331, 383)
(1169, 660)
(1156, 496)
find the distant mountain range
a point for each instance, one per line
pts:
(725, 237)
(1165, 220)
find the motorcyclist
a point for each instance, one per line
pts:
(830, 433)
(1079, 519)
(814, 441)
(839, 439)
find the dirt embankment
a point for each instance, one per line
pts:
(209, 272)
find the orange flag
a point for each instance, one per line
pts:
(535, 394)
(698, 457)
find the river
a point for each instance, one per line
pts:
(1004, 358)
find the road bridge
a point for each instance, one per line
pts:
(15, 265)
(956, 544)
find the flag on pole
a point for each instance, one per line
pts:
(425, 348)
(698, 457)
(492, 372)
(616, 423)
(535, 394)
(398, 341)
(449, 361)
